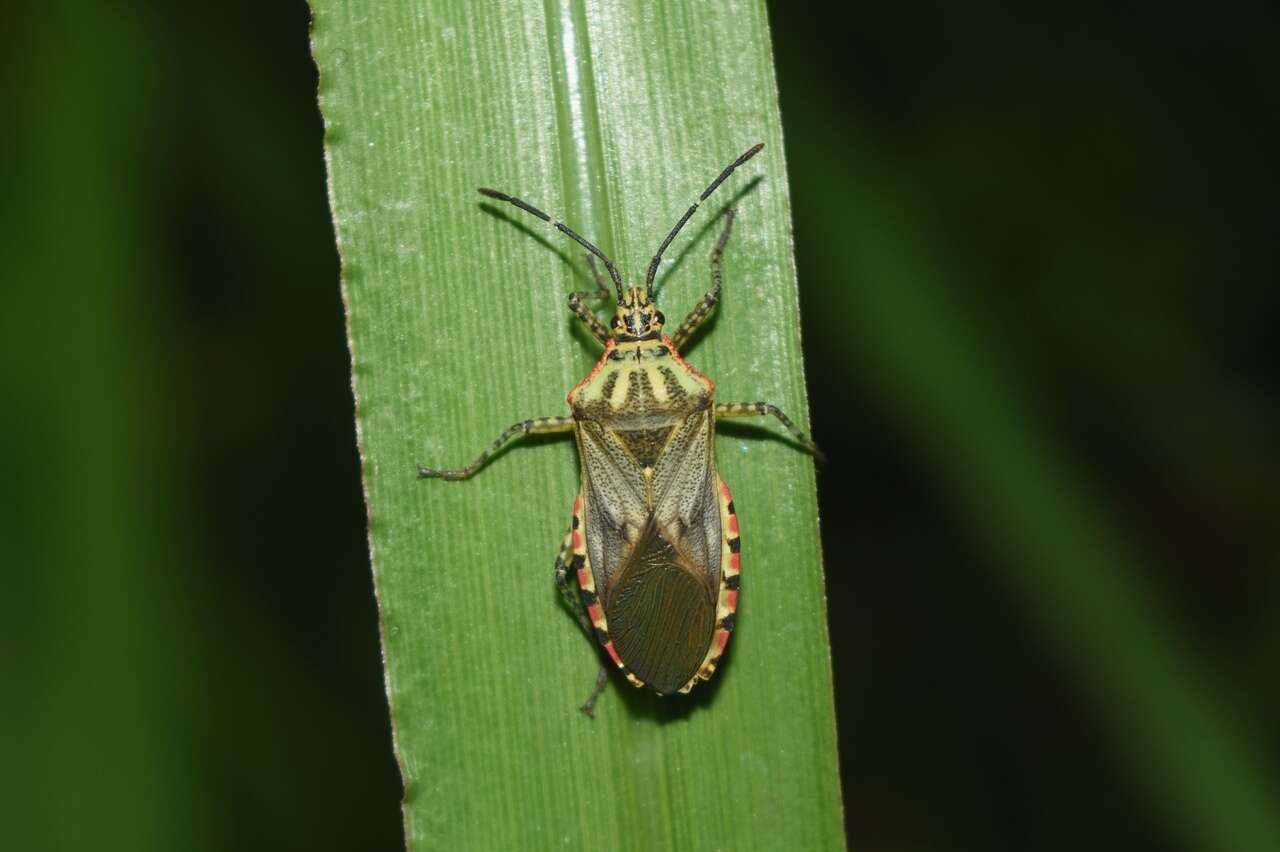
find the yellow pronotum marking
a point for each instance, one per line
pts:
(619, 397)
(593, 390)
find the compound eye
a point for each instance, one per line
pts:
(659, 318)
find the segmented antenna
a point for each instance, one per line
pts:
(657, 258)
(564, 229)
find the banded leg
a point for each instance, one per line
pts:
(760, 409)
(703, 309)
(589, 319)
(582, 312)
(568, 585)
(589, 707)
(602, 287)
(540, 425)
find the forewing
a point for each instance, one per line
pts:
(686, 507)
(615, 507)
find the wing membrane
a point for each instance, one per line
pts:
(661, 615)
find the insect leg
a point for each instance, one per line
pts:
(703, 309)
(582, 312)
(602, 287)
(601, 680)
(589, 319)
(565, 581)
(537, 426)
(760, 409)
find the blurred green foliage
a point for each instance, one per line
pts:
(1037, 260)
(194, 658)
(1035, 250)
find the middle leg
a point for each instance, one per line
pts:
(538, 425)
(763, 409)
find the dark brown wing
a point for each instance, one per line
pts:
(660, 613)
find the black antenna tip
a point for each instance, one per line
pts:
(492, 193)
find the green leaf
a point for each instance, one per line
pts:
(612, 117)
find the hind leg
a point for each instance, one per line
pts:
(567, 583)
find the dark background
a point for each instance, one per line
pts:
(1038, 267)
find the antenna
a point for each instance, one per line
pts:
(573, 235)
(657, 258)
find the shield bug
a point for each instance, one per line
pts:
(651, 561)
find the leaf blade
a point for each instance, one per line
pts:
(458, 328)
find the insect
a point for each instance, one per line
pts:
(651, 561)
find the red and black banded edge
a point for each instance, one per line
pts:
(730, 583)
(581, 566)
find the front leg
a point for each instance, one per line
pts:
(589, 319)
(703, 309)
(602, 289)
(760, 409)
(540, 425)
(582, 312)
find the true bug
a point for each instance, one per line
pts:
(653, 546)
